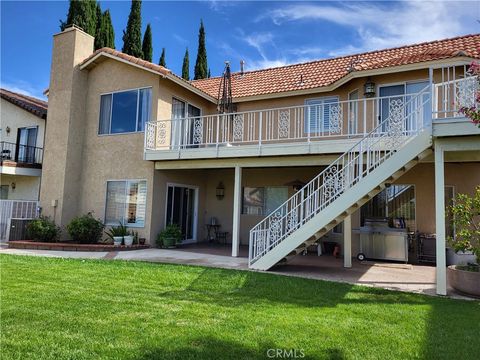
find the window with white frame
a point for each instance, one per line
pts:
(317, 114)
(263, 200)
(125, 202)
(125, 111)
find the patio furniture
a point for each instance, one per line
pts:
(212, 230)
(221, 237)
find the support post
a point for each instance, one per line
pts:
(347, 242)
(237, 203)
(441, 268)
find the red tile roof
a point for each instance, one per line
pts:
(33, 105)
(320, 73)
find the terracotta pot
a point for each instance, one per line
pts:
(467, 282)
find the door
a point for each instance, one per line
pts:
(26, 141)
(424, 100)
(391, 98)
(186, 117)
(182, 203)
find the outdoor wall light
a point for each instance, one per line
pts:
(13, 185)
(7, 129)
(220, 191)
(369, 88)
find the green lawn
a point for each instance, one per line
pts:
(74, 309)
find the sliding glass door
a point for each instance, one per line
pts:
(184, 116)
(26, 142)
(181, 209)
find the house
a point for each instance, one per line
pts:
(21, 138)
(312, 151)
(21, 141)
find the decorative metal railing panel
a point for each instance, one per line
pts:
(405, 120)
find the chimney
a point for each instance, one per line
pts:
(242, 65)
(61, 169)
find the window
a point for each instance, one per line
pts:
(263, 201)
(396, 203)
(183, 130)
(317, 114)
(125, 203)
(125, 111)
(4, 192)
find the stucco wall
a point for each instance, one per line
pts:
(26, 187)
(15, 117)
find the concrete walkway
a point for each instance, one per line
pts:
(402, 277)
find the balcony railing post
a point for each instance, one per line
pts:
(260, 126)
(218, 129)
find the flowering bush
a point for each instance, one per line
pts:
(473, 112)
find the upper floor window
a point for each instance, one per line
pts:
(125, 111)
(318, 113)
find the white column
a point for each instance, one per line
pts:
(237, 203)
(347, 242)
(440, 221)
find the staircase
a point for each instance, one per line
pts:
(382, 156)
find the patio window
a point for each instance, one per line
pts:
(317, 114)
(125, 111)
(125, 202)
(263, 200)
(397, 203)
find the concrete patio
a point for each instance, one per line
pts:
(394, 276)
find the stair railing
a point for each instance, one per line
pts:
(406, 118)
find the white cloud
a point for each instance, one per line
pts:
(25, 88)
(180, 39)
(387, 24)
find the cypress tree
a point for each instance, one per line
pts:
(108, 32)
(186, 66)
(132, 36)
(147, 48)
(201, 63)
(98, 29)
(82, 13)
(105, 34)
(162, 61)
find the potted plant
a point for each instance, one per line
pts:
(466, 217)
(117, 234)
(170, 236)
(128, 238)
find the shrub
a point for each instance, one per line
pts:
(466, 218)
(85, 229)
(43, 229)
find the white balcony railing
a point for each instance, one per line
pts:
(296, 124)
(303, 124)
(451, 96)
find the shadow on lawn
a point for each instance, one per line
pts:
(213, 348)
(445, 327)
(233, 288)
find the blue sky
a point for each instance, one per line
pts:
(264, 34)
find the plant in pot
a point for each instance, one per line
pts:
(117, 234)
(465, 214)
(128, 238)
(170, 236)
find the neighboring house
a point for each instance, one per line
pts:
(21, 139)
(136, 144)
